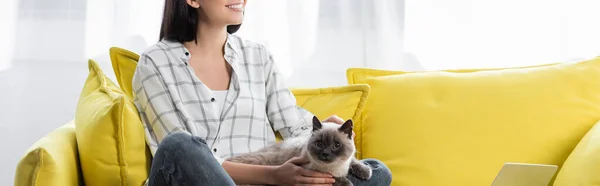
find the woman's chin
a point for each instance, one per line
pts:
(235, 21)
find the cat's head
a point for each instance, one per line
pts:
(331, 142)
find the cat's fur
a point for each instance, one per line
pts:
(330, 149)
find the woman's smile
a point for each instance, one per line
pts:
(238, 7)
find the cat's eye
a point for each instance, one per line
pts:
(337, 145)
(319, 144)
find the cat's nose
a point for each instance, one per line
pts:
(325, 155)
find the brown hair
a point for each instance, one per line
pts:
(180, 22)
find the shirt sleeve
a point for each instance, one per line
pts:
(157, 110)
(284, 115)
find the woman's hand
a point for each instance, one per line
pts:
(338, 120)
(292, 174)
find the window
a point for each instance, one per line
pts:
(486, 33)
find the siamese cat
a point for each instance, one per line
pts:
(330, 149)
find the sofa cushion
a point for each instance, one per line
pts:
(124, 63)
(346, 102)
(460, 127)
(110, 134)
(360, 75)
(52, 160)
(583, 165)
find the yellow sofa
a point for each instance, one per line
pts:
(454, 127)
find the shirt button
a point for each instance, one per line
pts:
(212, 99)
(187, 53)
(215, 149)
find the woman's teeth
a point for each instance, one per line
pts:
(236, 7)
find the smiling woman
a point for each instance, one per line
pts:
(236, 7)
(182, 18)
(205, 95)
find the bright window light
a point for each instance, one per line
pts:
(487, 33)
(8, 11)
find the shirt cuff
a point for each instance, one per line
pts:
(302, 128)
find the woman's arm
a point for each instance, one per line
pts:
(284, 115)
(157, 110)
(290, 173)
(161, 118)
(249, 174)
(155, 105)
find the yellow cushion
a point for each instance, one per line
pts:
(346, 102)
(582, 168)
(110, 134)
(124, 63)
(359, 75)
(51, 160)
(460, 127)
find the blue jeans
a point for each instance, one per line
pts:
(185, 160)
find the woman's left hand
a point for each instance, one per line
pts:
(338, 120)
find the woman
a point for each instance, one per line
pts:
(204, 95)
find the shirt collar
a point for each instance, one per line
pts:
(232, 49)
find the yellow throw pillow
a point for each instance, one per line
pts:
(346, 102)
(51, 160)
(582, 168)
(359, 75)
(110, 135)
(460, 127)
(124, 63)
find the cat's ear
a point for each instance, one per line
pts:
(316, 124)
(346, 128)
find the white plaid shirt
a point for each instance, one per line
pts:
(170, 98)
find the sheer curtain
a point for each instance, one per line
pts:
(8, 17)
(313, 41)
(45, 44)
(486, 33)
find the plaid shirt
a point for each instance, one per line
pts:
(170, 98)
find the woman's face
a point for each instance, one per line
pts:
(228, 12)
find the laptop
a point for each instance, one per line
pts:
(522, 174)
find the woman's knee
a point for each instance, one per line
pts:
(381, 172)
(187, 160)
(182, 144)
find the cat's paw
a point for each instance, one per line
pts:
(342, 182)
(360, 170)
(364, 174)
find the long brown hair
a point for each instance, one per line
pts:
(180, 22)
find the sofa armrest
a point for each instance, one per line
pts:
(52, 160)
